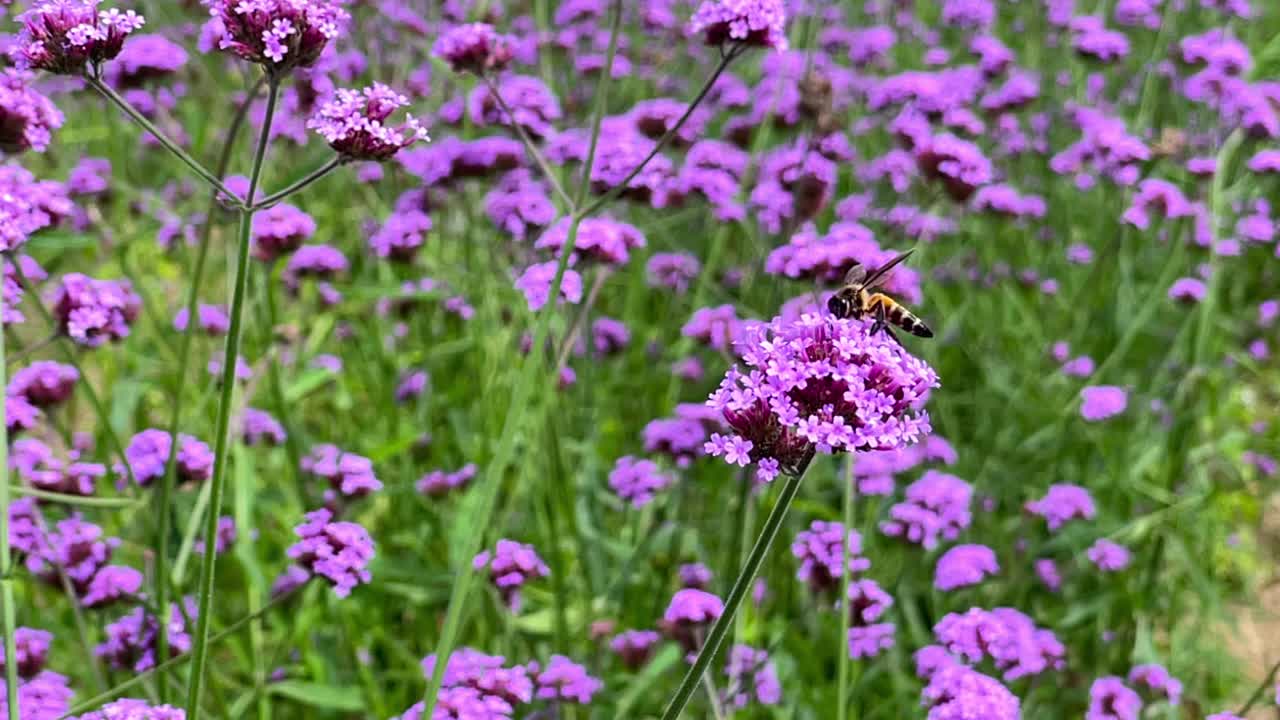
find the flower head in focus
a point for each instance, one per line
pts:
(337, 551)
(67, 36)
(279, 35)
(511, 565)
(353, 123)
(818, 384)
(131, 709)
(760, 23)
(92, 312)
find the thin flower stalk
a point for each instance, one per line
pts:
(76, 500)
(273, 361)
(741, 586)
(842, 648)
(612, 194)
(196, 166)
(529, 145)
(7, 615)
(300, 184)
(200, 649)
(504, 455)
(162, 582)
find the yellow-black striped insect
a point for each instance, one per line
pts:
(858, 298)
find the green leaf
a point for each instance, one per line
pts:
(328, 697)
(310, 380)
(666, 658)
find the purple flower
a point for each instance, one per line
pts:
(1063, 503)
(224, 539)
(511, 565)
(534, 105)
(1109, 699)
(44, 696)
(636, 481)
(566, 680)
(110, 584)
(819, 383)
(1223, 716)
(1187, 290)
(1047, 571)
(819, 550)
(717, 327)
(475, 48)
(958, 164)
(634, 647)
(258, 427)
(1008, 637)
(695, 575)
(62, 36)
(129, 709)
(1005, 200)
(971, 14)
(488, 690)
(1100, 402)
(1158, 195)
(411, 385)
(936, 507)
(1108, 556)
(1265, 161)
(131, 640)
(92, 312)
(401, 235)
(353, 124)
(337, 551)
(519, 204)
(74, 548)
(290, 580)
(278, 34)
(280, 230)
(673, 271)
(44, 383)
(1094, 40)
(956, 692)
(145, 58)
(868, 602)
(19, 414)
(439, 482)
(963, 566)
(213, 320)
(600, 240)
(148, 452)
(689, 616)
(27, 118)
(761, 23)
(1157, 680)
(25, 535)
(32, 648)
(348, 473)
(535, 282)
(752, 677)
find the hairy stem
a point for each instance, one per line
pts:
(109, 93)
(746, 576)
(504, 455)
(200, 644)
(529, 145)
(164, 498)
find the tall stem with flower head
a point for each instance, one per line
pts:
(504, 455)
(746, 576)
(162, 581)
(200, 642)
(8, 620)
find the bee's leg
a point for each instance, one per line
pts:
(879, 323)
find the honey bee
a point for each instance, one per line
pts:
(858, 299)
(1171, 142)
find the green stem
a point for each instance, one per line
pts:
(667, 137)
(842, 605)
(7, 616)
(300, 184)
(504, 455)
(1260, 691)
(174, 662)
(75, 500)
(277, 383)
(740, 588)
(109, 93)
(163, 499)
(529, 146)
(200, 645)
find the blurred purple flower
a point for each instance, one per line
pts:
(936, 508)
(819, 550)
(474, 47)
(634, 647)
(636, 481)
(348, 473)
(1100, 402)
(535, 282)
(510, 565)
(131, 640)
(1063, 503)
(564, 680)
(92, 312)
(148, 452)
(1109, 556)
(1110, 699)
(964, 566)
(689, 615)
(337, 551)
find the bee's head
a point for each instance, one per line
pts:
(840, 306)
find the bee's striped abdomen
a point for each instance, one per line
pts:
(898, 315)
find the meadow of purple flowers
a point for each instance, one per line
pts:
(346, 336)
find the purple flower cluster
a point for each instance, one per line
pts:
(131, 640)
(752, 676)
(37, 464)
(92, 312)
(77, 550)
(634, 647)
(131, 709)
(348, 473)
(401, 236)
(1100, 402)
(673, 271)
(600, 240)
(636, 481)
(1111, 699)
(511, 565)
(1109, 556)
(565, 681)
(439, 482)
(474, 47)
(1157, 681)
(956, 692)
(937, 506)
(818, 384)
(820, 549)
(280, 35)
(353, 123)
(1062, 504)
(963, 566)
(258, 427)
(44, 383)
(148, 453)
(27, 118)
(1014, 644)
(337, 551)
(280, 230)
(519, 204)
(536, 280)
(68, 36)
(689, 615)
(750, 22)
(867, 604)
